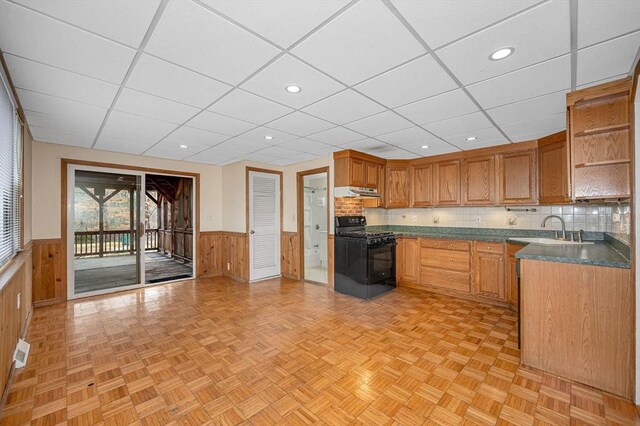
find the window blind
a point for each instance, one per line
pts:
(10, 175)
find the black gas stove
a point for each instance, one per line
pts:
(364, 260)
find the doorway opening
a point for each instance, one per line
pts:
(313, 225)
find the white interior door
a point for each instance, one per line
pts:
(264, 225)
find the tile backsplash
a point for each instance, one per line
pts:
(604, 218)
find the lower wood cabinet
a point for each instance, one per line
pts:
(511, 275)
(407, 260)
(488, 270)
(445, 265)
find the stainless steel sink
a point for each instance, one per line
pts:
(549, 241)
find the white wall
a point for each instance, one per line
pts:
(45, 185)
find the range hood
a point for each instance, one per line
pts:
(355, 191)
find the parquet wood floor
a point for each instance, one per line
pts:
(281, 352)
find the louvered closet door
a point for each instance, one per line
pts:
(264, 225)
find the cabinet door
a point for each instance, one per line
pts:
(489, 276)
(479, 176)
(358, 172)
(553, 169)
(408, 262)
(517, 177)
(397, 187)
(372, 175)
(447, 183)
(422, 186)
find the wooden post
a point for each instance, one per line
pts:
(101, 222)
(132, 237)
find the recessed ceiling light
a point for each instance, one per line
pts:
(184, 146)
(471, 138)
(501, 53)
(292, 88)
(268, 137)
(425, 147)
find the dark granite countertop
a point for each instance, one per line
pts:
(598, 254)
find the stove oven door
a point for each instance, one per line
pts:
(382, 262)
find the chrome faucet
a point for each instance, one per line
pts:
(564, 234)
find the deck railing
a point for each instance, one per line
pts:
(87, 243)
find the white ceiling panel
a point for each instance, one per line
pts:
(437, 108)
(190, 136)
(249, 107)
(400, 154)
(484, 137)
(168, 149)
(530, 109)
(140, 103)
(419, 79)
(370, 145)
(344, 107)
(532, 129)
(194, 37)
(414, 136)
(299, 123)
(600, 20)
(85, 114)
(469, 59)
(277, 137)
(53, 81)
(271, 83)
(241, 146)
(278, 152)
(64, 124)
(260, 156)
(131, 133)
(337, 136)
(442, 21)
(326, 150)
(608, 59)
(220, 154)
(161, 78)
(62, 136)
(352, 49)
(298, 158)
(267, 18)
(218, 123)
(464, 123)
(445, 148)
(380, 124)
(541, 79)
(604, 80)
(304, 145)
(125, 22)
(61, 45)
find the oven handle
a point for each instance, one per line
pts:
(384, 243)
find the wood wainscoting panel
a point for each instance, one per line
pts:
(290, 249)
(48, 259)
(235, 256)
(210, 248)
(577, 322)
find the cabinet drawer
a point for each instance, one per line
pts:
(488, 247)
(445, 244)
(446, 259)
(450, 280)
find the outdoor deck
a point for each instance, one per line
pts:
(100, 273)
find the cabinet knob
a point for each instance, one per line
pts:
(451, 259)
(450, 279)
(435, 257)
(488, 247)
(500, 258)
(451, 245)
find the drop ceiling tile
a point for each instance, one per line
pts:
(219, 155)
(218, 123)
(352, 49)
(260, 156)
(279, 152)
(304, 145)
(283, 22)
(436, 108)
(125, 22)
(604, 80)
(414, 136)
(258, 135)
(61, 136)
(433, 150)
(139, 103)
(85, 114)
(344, 107)
(530, 108)
(369, 145)
(419, 79)
(65, 124)
(168, 149)
(161, 78)
(337, 136)
(400, 154)
(541, 79)
(53, 81)
(190, 136)
(327, 150)
(241, 146)
(464, 123)
(131, 133)
(299, 123)
(486, 144)
(607, 59)
(442, 21)
(61, 45)
(271, 82)
(298, 158)
(469, 60)
(194, 37)
(252, 108)
(538, 127)
(380, 124)
(484, 136)
(600, 20)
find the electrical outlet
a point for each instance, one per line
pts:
(228, 266)
(414, 218)
(478, 219)
(18, 300)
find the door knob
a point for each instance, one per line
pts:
(252, 232)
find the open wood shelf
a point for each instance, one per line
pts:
(595, 131)
(602, 163)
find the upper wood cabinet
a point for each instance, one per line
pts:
(447, 183)
(422, 185)
(479, 180)
(358, 175)
(517, 182)
(354, 168)
(397, 184)
(599, 127)
(553, 169)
